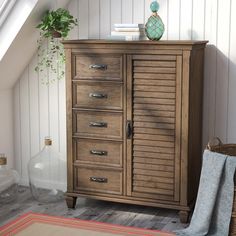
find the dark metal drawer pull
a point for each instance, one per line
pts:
(98, 179)
(99, 153)
(98, 66)
(98, 124)
(97, 95)
(129, 129)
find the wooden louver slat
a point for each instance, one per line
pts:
(154, 110)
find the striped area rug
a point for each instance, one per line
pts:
(32, 224)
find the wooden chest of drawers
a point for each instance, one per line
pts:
(134, 112)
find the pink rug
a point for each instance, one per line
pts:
(33, 224)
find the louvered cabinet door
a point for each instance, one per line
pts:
(154, 110)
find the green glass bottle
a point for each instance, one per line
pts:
(154, 27)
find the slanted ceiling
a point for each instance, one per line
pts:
(24, 45)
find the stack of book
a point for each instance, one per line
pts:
(129, 31)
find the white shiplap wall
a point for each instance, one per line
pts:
(40, 110)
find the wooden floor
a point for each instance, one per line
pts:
(87, 209)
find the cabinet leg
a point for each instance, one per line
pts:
(71, 201)
(184, 216)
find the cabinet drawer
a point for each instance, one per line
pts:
(98, 180)
(97, 95)
(98, 67)
(98, 124)
(92, 151)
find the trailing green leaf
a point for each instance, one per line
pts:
(52, 58)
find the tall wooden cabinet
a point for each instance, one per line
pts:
(134, 121)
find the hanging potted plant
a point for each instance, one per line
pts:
(55, 25)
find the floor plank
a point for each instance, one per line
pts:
(87, 209)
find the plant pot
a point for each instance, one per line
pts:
(56, 34)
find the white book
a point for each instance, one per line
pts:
(129, 25)
(128, 29)
(127, 38)
(130, 38)
(115, 33)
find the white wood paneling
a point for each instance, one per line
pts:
(198, 19)
(127, 11)
(147, 9)
(25, 123)
(94, 17)
(34, 108)
(6, 125)
(186, 17)
(173, 19)
(138, 11)
(115, 12)
(53, 111)
(163, 12)
(231, 128)
(17, 128)
(222, 72)
(73, 8)
(83, 18)
(211, 26)
(39, 110)
(43, 107)
(105, 16)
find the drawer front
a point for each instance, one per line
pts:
(97, 95)
(98, 67)
(92, 151)
(98, 180)
(98, 124)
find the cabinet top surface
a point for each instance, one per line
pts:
(146, 42)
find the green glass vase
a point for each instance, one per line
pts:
(154, 27)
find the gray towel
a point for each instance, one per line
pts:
(213, 207)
